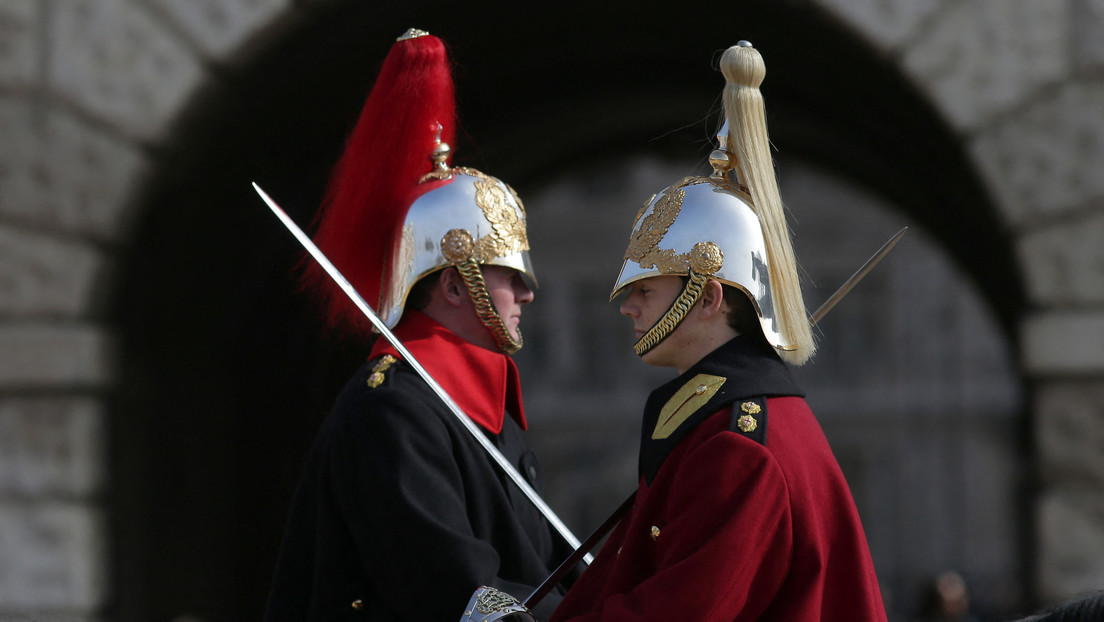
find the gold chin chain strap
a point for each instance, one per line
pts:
(670, 320)
(485, 309)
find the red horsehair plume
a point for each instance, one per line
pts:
(376, 179)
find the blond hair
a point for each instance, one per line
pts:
(744, 70)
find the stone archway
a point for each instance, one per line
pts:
(97, 96)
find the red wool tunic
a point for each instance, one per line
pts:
(733, 521)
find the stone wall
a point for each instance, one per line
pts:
(87, 90)
(1021, 81)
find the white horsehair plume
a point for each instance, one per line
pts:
(744, 70)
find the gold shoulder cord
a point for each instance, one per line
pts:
(484, 307)
(670, 320)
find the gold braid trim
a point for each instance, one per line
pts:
(484, 307)
(670, 320)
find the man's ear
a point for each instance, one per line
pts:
(452, 288)
(712, 299)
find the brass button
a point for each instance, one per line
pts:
(655, 532)
(701, 389)
(747, 423)
(358, 604)
(385, 361)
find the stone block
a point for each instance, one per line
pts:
(117, 61)
(1071, 544)
(44, 276)
(1088, 34)
(1069, 433)
(51, 447)
(19, 56)
(61, 173)
(982, 58)
(1047, 158)
(1064, 263)
(34, 356)
(52, 557)
(219, 26)
(1064, 342)
(888, 23)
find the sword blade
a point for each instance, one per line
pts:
(850, 283)
(468, 424)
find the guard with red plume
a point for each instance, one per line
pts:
(400, 514)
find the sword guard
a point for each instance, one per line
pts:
(488, 604)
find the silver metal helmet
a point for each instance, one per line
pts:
(474, 217)
(471, 219)
(730, 226)
(702, 228)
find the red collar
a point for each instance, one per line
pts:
(483, 383)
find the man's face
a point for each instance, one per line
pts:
(648, 299)
(508, 292)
